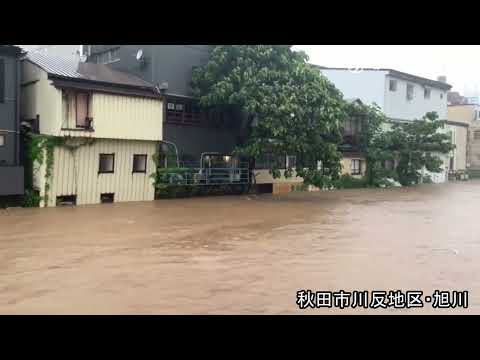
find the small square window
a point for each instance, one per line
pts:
(410, 92)
(476, 135)
(426, 93)
(179, 107)
(106, 163)
(171, 106)
(139, 163)
(393, 85)
(441, 95)
(2, 140)
(356, 167)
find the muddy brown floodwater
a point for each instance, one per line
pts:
(241, 254)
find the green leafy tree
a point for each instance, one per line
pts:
(417, 145)
(284, 106)
(370, 139)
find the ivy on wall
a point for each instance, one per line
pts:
(41, 150)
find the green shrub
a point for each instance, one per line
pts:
(31, 198)
(347, 181)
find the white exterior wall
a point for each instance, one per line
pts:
(398, 107)
(368, 86)
(76, 173)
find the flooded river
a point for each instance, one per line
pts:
(241, 254)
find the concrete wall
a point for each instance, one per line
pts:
(163, 63)
(191, 141)
(468, 114)
(77, 173)
(368, 86)
(11, 170)
(398, 107)
(461, 136)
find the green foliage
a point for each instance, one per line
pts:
(347, 181)
(40, 150)
(370, 138)
(31, 198)
(416, 145)
(286, 105)
(172, 176)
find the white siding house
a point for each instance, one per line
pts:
(401, 96)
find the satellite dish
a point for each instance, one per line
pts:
(139, 55)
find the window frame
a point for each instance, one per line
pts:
(174, 115)
(412, 96)
(76, 108)
(3, 143)
(352, 171)
(395, 88)
(287, 161)
(133, 164)
(476, 135)
(426, 91)
(100, 163)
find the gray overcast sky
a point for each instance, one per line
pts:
(460, 63)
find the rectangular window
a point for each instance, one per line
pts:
(389, 164)
(106, 164)
(2, 140)
(392, 85)
(139, 163)
(356, 167)
(291, 161)
(81, 105)
(107, 198)
(410, 93)
(182, 111)
(476, 135)
(426, 93)
(2, 80)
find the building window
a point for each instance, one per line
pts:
(389, 164)
(393, 85)
(139, 163)
(81, 110)
(108, 56)
(106, 164)
(441, 95)
(426, 93)
(476, 135)
(2, 140)
(2, 81)
(291, 162)
(356, 166)
(107, 198)
(410, 92)
(183, 111)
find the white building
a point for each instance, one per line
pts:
(401, 96)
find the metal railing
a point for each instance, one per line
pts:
(207, 176)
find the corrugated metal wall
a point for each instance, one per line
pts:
(77, 172)
(127, 117)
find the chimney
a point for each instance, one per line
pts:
(442, 79)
